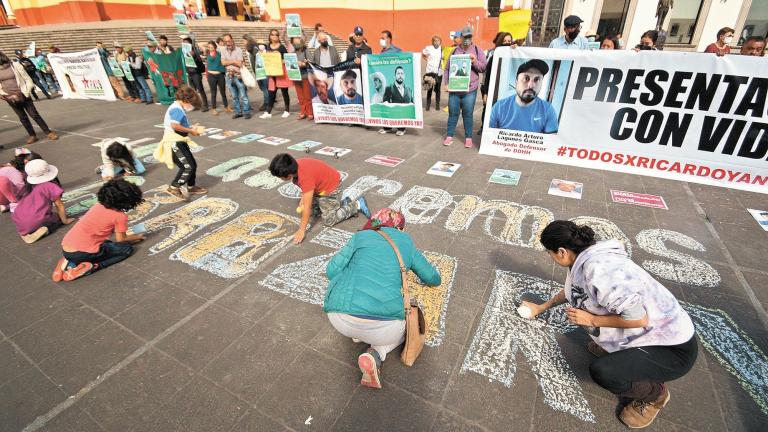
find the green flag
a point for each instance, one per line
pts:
(167, 72)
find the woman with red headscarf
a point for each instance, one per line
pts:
(364, 299)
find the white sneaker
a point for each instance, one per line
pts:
(265, 115)
(285, 114)
(383, 131)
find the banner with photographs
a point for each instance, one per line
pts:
(81, 75)
(673, 115)
(459, 73)
(259, 72)
(336, 96)
(293, 25)
(189, 60)
(126, 66)
(292, 66)
(392, 90)
(115, 67)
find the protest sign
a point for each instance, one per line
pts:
(761, 216)
(292, 66)
(673, 115)
(181, 22)
(273, 63)
(390, 99)
(30, 51)
(304, 145)
(517, 22)
(645, 200)
(389, 161)
(81, 75)
(189, 61)
(335, 93)
(150, 36)
(258, 67)
(293, 25)
(505, 177)
(167, 72)
(115, 67)
(565, 188)
(459, 72)
(126, 67)
(444, 169)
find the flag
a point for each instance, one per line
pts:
(167, 72)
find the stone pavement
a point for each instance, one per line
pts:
(214, 323)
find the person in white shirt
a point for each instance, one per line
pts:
(433, 54)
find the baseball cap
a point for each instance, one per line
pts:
(466, 31)
(537, 64)
(358, 30)
(40, 171)
(572, 21)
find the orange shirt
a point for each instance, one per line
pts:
(317, 176)
(93, 228)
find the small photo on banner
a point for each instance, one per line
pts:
(181, 22)
(189, 61)
(565, 188)
(392, 91)
(444, 169)
(259, 72)
(273, 63)
(292, 66)
(293, 25)
(126, 66)
(336, 96)
(505, 177)
(459, 72)
(761, 216)
(115, 67)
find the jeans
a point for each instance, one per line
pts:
(26, 109)
(53, 86)
(145, 94)
(187, 164)
(37, 78)
(196, 82)
(638, 373)
(109, 253)
(383, 336)
(239, 95)
(466, 103)
(216, 82)
(136, 164)
(264, 86)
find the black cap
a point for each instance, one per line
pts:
(572, 21)
(358, 30)
(539, 65)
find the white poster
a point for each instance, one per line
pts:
(677, 115)
(81, 75)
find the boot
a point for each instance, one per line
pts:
(639, 413)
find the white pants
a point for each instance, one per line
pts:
(383, 336)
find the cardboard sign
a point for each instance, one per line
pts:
(273, 63)
(444, 169)
(389, 161)
(645, 200)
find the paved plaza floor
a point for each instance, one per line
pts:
(215, 323)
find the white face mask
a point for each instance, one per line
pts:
(383, 42)
(728, 40)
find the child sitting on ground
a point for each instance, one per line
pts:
(118, 158)
(319, 183)
(86, 246)
(174, 148)
(34, 217)
(12, 185)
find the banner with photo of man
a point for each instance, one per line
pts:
(336, 96)
(392, 91)
(292, 66)
(673, 115)
(460, 73)
(81, 75)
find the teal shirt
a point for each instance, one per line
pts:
(365, 275)
(214, 62)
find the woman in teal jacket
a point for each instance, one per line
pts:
(364, 299)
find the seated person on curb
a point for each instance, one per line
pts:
(364, 299)
(640, 334)
(320, 192)
(86, 246)
(33, 215)
(118, 158)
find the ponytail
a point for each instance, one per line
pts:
(566, 234)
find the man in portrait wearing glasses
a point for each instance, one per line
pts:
(571, 38)
(525, 111)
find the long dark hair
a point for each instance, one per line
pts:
(120, 155)
(4, 60)
(120, 195)
(19, 161)
(566, 234)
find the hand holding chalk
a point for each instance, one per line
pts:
(525, 312)
(529, 310)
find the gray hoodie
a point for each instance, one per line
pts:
(603, 281)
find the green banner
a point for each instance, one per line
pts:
(181, 23)
(167, 72)
(293, 24)
(189, 61)
(127, 70)
(259, 71)
(292, 65)
(459, 73)
(116, 69)
(390, 77)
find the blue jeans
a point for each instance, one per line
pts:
(145, 94)
(239, 95)
(40, 82)
(109, 253)
(466, 103)
(264, 86)
(52, 85)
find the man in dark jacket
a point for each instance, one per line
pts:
(358, 47)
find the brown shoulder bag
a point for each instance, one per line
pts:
(415, 324)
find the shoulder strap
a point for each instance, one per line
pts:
(403, 270)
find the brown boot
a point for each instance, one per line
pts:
(595, 349)
(52, 136)
(639, 414)
(229, 109)
(176, 192)
(197, 190)
(31, 139)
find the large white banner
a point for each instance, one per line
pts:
(683, 116)
(81, 75)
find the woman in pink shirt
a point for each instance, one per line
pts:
(34, 215)
(87, 247)
(12, 185)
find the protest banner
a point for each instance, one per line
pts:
(126, 67)
(293, 25)
(181, 22)
(675, 115)
(273, 63)
(292, 66)
(390, 99)
(81, 75)
(150, 36)
(167, 72)
(115, 67)
(189, 61)
(258, 67)
(342, 80)
(459, 73)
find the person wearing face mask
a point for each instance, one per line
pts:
(571, 38)
(447, 50)
(357, 48)
(464, 102)
(433, 54)
(501, 39)
(325, 54)
(722, 46)
(647, 41)
(398, 92)
(524, 110)
(314, 43)
(302, 87)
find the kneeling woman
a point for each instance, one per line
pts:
(640, 333)
(364, 300)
